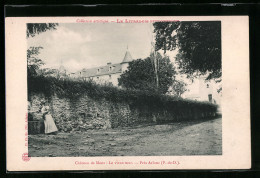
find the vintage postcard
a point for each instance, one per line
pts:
(127, 93)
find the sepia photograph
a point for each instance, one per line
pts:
(124, 89)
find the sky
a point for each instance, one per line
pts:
(86, 45)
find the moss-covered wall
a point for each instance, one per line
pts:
(84, 113)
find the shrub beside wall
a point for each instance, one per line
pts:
(81, 105)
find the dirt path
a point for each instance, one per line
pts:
(187, 138)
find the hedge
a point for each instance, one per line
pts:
(137, 99)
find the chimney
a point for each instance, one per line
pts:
(109, 63)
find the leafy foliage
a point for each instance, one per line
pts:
(178, 88)
(33, 62)
(36, 28)
(198, 42)
(135, 98)
(143, 105)
(140, 75)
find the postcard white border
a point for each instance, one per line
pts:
(235, 102)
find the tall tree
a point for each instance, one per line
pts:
(36, 28)
(198, 44)
(178, 88)
(140, 75)
(33, 61)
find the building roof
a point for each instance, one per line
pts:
(103, 70)
(128, 57)
(108, 69)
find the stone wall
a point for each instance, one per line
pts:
(86, 113)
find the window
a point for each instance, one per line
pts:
(210, 98)
(111, 68)
(207, 85)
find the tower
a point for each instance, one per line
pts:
(128, 58)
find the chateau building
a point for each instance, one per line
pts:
(202, 90)
(199, 89)
(104, 74)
